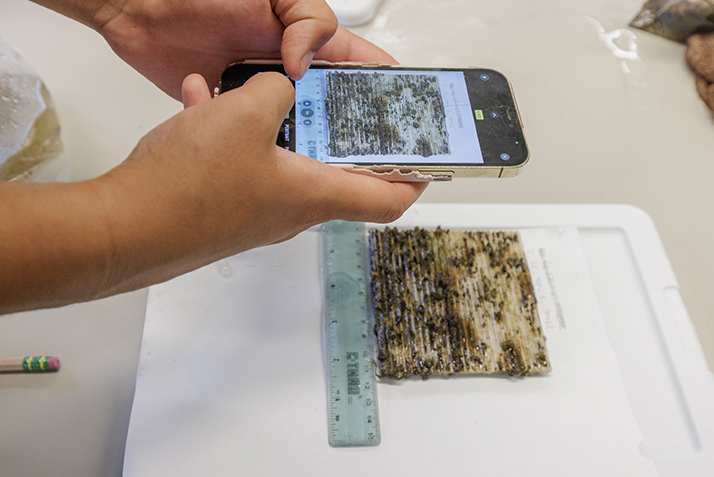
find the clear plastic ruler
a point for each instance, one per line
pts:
(352, 410)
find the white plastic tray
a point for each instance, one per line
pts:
(231, 377)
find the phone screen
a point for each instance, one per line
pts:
(373, 116)
(378, 116)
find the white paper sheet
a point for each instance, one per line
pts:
(231, 381)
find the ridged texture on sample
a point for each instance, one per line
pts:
(454, 302)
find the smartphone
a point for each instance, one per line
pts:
(398, 122)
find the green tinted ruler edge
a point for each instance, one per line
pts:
(352, 410)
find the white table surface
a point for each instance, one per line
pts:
(611, 116)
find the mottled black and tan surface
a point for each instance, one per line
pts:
(454, 302)
(675, 19)
(385, 114)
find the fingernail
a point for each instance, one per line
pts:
(305, 63)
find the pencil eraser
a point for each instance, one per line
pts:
(53, 363)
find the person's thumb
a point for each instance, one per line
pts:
(309, 24)
(260, 104)
(194, 90)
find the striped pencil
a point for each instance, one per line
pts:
(30, 364)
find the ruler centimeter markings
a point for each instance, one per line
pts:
(352, 411)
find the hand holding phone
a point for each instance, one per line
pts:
(401, 123)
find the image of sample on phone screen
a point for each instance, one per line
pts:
(385, 115)
(397, 117)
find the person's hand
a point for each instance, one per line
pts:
(165, 40)
(210, 182)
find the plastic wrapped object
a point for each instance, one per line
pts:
(29, 128)
(675, 19)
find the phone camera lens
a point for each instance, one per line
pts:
(484, 77)
(505, 156)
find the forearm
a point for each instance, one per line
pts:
(53, 245)
(67, 243)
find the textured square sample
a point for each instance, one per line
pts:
(454, 302)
